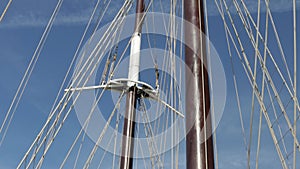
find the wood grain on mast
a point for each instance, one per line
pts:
(131, 100)
(199, 145)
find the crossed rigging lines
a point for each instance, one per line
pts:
(14, 104)
(37, 151)
(83, 73)
(234, 36)
(233, 33)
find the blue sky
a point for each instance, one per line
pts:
(19, 35)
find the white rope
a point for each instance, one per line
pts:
(249, 72)
(74, 58)
(228, 33)
(276, 118)
(143, 155)
(42, 130)
(150, 131)
(280, 48)
(91, 156)
(79, 150)
(45, 151)
(253, 89)
(109, 142)
(85, 125)
(91, 72)
(295, 83)
(204, 83)
(211, 89)
(74, 101)
(262, 93)
(122, 55)
(92, 153)
(173, 80)
(279, 100)
(93, 51)
(279, 43)
(272, 85)
(18, 95)
(5, 10)
(270, 54)
(267, 117)
(162, 79)
(115, 141)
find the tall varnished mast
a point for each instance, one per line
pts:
(199, 147)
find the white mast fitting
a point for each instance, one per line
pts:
(134, 60)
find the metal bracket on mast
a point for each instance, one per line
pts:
(121, 84)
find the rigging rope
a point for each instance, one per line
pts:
(73, 61)
(262, 93)
(228, 33)
(18, 95)
(5, 10)
(270, 80)
(211, 89)
(58, 118)
(75, 56)
(149, 130)
(268, 50)
(87, 66)
(71, 65)
(115, 141)
(253, 89)
(92, 153)
(246, 67)
(266, 76)
(74, 101)
(295, 83)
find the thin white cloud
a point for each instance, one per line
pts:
(71, 12)
(275, 6)
(77, 12)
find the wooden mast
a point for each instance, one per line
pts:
(131, 100)
(199, 145)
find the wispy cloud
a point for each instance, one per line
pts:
(71, 12)
(252, 6)
(78, 12)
